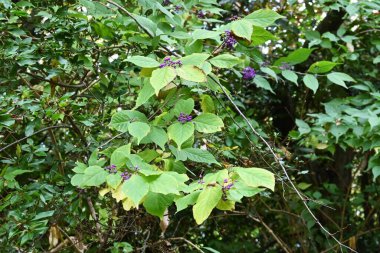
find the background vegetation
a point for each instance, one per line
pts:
(83, 88)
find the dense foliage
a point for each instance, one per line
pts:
(189, 126)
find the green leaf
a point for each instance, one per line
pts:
(113, 180)
(179, 132)
(43, 215)
(94, 176)
(158, 136)
(187, 200)
(311, 82)
(340, 78)
(270, 72)
(194, 154)
(147, 24)
(196, 59)
(144, 94)
(256, 177)
(242, 29)
(120, 156)
(303, 127)
(206, 202)
(208, 123)
(224, 61)
(135, 188)
(165, 184)
(156, 203)
(261, 82)
(138, 130)
(121, 120)
(298, 56)
(290, 75)
(321, 67)
(184, 106)
(260, 36)
(162, 77)
(207, 104)
(144, 62)
(263, 17)
(191, 73)
(201, 34)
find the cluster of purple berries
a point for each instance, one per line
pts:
(178, 8)
(183, 118)
(248, 73)
(201, 14)
(228, 186)
(229, 41)
(125, 175)
(111, 169)
(166, 2)
(168, 62)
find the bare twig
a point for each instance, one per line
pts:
(37, 132)
(94, 216)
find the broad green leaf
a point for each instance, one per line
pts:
(144, 62)
(303, 127)
(224, 61)
(135, 188)
(199, 155)
(184, 106)
(120, 156)
(206, 202)
(261, 82)
(242, 29)
(256, 177)
(196, 59)
(77, 180)
(290, 75)
(208, 123)
(340, 78)
(311, 82)
(144, 94)
(201, 34)
(158, 136)
(270, 72)
(263, 17)
(207, 104)
(375, 172)
(156, 203)
(191, 73)
(298, 56)
(321, 67)
(147, 24)
(121, 120)
(165, 184)
(225, 205)
(114, 180)
(162, 77)
(187, 200)
(260, 36)
(94, 176)
(179, 132)
(138, 130)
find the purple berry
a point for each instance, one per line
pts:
(248, 73)
(166, 2)
(229, 40)
(201, 14)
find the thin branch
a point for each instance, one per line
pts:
(278, 239)
(37, 132)
(94, 216)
